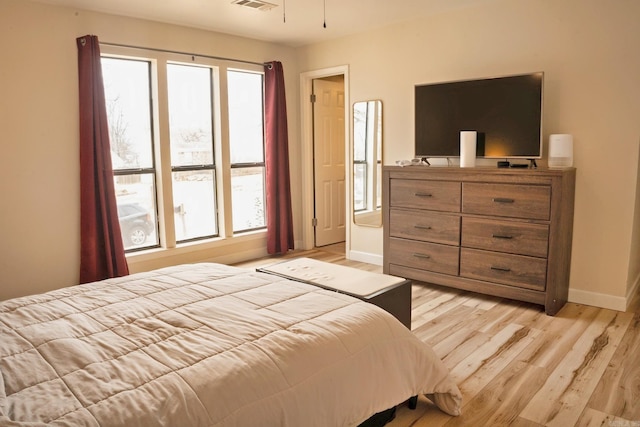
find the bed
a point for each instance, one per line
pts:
(208, 345)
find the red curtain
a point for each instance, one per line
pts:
(279, 216)
(101, 248)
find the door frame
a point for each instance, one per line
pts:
(306, 131)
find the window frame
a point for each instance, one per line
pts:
(162, 156)
(248, 165)
(143, 171)
(199, 167)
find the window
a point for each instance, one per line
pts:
(246, 144)
(170, 150)
(192, 165)
(127, 93)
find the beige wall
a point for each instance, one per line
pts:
(588, 51)
(634, 254)
(39, 171)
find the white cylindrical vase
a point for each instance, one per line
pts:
(468, 139)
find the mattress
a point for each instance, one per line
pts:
(208, 345)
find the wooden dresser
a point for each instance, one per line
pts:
(503, 232)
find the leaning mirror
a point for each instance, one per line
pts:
(367, 163)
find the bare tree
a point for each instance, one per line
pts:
(120, 143)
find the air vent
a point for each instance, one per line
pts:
(255, 4)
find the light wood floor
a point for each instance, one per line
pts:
(517, 366)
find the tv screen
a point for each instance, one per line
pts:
(505, 111)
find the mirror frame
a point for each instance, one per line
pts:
(367, 132)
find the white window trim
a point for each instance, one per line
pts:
(227, 247)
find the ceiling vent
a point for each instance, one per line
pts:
(255, 4)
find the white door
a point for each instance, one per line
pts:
(329, 163)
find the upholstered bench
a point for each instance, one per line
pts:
(390, 293)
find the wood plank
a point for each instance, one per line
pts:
(502, 317)
(592, 418)
(476, 371)
(618, 392)
(500, 402)
(562, 399)
(484, 302)
(521, 422)
(560, 335)
(434, 330)
(427, 311)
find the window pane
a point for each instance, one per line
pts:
(359, 186)
(194, 204)
(360, 131)
(245, 117)
(191, 135)
(128, 102)
(126, 87)
(135, 196)
(246, 145)
(190, 115)
(247, 188)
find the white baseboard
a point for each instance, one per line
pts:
(369, 258)
(603, 300)
(633, 290)
(598, 300)
(299, 244)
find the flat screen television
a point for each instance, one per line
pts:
(505, 111)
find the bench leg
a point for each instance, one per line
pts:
(413, 402)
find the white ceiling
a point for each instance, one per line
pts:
(304, 18)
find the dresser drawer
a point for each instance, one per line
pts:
(514, 270)
(423, 194)
(425, 225)
(426, 256)
(508, 200)
(506, 236)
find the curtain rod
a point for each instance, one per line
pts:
(192, 55)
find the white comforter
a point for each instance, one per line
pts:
(207, 345)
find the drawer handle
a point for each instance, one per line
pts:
(423, 256)
(422, 227)
(420, 194)
(506, 270)
(499, 236)
(503, 200)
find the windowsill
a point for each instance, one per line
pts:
(198, 248)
